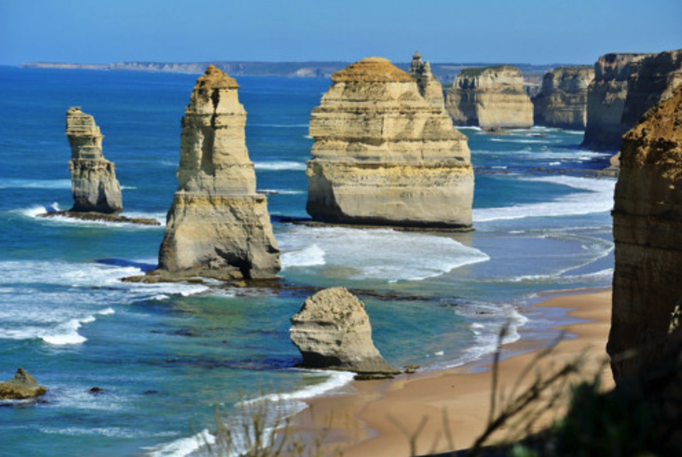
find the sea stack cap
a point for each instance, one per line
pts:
(371, 69)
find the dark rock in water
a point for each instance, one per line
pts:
(21, 387)
(332, 331)
(95, 216)
(96, 390)
(150, 392)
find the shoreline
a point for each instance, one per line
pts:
(377, 417)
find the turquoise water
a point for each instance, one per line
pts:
(165, 354)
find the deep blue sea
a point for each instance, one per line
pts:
(165, 355)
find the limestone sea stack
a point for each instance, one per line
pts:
(217, 226)
(647, 229)
(93, 178)
(490, 97)
(562, 100)
(384, 155)
(332, 331)
(429, 86)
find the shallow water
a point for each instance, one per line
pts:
(166, 354)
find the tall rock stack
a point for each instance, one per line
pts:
(429, 86)
(606, 96)
(562, 101)
(218, 226)
(490, 97)
(93, 178)
(383, 155)
(647, 229)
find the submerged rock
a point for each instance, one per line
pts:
(332, 331)
(93, 178)
(647, 230)
(490, 97)
(562, 101)
(218, 225)
(21, 387)
(384, 155)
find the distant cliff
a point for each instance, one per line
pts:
(625, 86)
(490, 97)
(562, 101)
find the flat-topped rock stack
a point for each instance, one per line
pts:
(217, 226)
(490, 97)
(384, 155)
(429, 86)
(647, 230)
(562, 100)
(93, 178)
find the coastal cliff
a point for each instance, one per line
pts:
(429, 86)
(490, 97)
(93, 178)
(384, 155)
(218, 226)
(624, 88)
(562, 100)
(647, 229)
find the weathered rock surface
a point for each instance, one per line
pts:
(490, 97)
(429, 86)
(21, 387)
(218, 226)
(383, 155)
(624, 88)
(562, 101)
(332, 331)
(93, 178)
(647, 229)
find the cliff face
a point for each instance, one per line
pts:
(624, 88)
(93, 178)
(562, 101)
(490, 97)
(429, 86)
(383, 155)
(218, 226)
(647, 229)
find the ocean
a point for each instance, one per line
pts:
(164, 356)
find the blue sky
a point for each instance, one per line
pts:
(493, 31)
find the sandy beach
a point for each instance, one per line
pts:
(449, 409)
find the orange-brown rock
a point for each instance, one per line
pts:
(647, 229)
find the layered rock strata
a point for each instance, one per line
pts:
(217, 226)
(647, 229)
(93, 178)
(606, 98)
(429, 86)
(383, 155)
(332, 331)
(490, 97)
(21, 387)
(562, 100)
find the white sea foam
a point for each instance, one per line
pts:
(306, 257)
(336, 380)
(280, 165)
(10, 183)
(282, 191)
(382, 254)
(183, 446)
(598, 199)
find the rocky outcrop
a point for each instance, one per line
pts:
(490, 97)
(624, 88)
(218, 226)
(21, 387)
(332, 331)
(93, 178)
(562, 101)
(383, 155)
(647, 229)
(429, 86)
